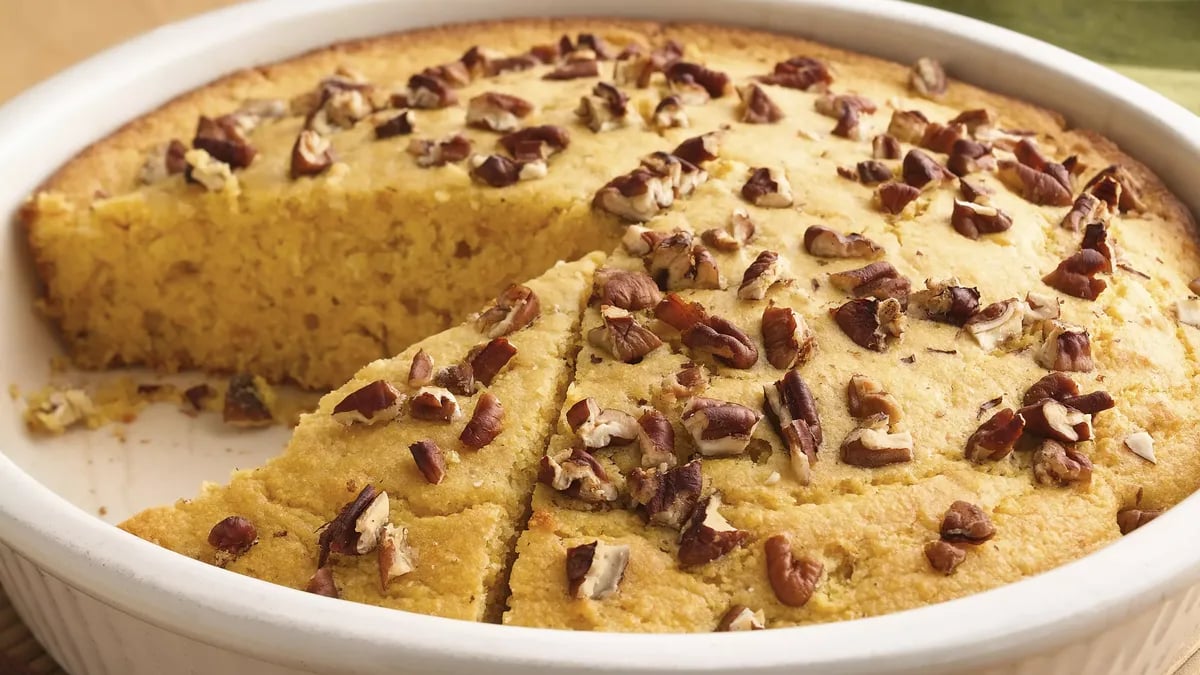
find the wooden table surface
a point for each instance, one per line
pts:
(40, 37)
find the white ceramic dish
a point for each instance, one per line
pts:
(105, 602)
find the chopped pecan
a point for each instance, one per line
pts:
(768, 188)
(595, 570)
(974, 119)
(870, 323)
(600, 428)
(636, 196)
(162, 161)
(1086, 209)
(575, 473)
(676, 262)
(908, 125)
(919, 170)
(944, 556)
(224, 140)
(724, 340)
(1035, 186)
(396, 556)
(496, 111)
(1095, 237)
(945, 138)
(690, 380)
(430, 460)
(515, 308)
(793, 580)
(699, 149)
(740, 618)
(628, 290)
(1040, 307)
(871, 448)
(738, 233)
(426, 91)
(835, 106)
(1076, 275)
(971, 220)
(719, 428)
(1066, 347)
(669, 113)
(487, 360)
(454, 73)
(878, 280)
(927, 78)
(606, 108)
(894, 196)
(1051, 419)
(1055, 386)
(826, 243)
(787, 338)
(1131, 519)
(763, 273)
(439, 153)
(500, 171)
(866, 398)
(534, 143)
(683, 176)
(204, 169)
(996, 323)
(872, 172)
(848, 124)
(966, 523)
(457, 379)
(248, 401)
(801, 444)
(434, 404)
(974, 192)
(946, 301)
(486, 422)
(885, 146)
(789, 399)
(995, 438)
(667, 497)
(656, 439)
(967, 157)
(800, 72)
(623, 336)
(1056, 464)
(344, 534)
(1091, 403)
(371, 403)
(756, 107)
(695, 83)
(707, 535)
(1129, 196)
(678, 313)
(420, 373)
(232, 537)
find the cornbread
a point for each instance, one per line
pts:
(871, 338)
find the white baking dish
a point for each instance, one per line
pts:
(105, 602)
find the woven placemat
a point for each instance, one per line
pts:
(20, 653)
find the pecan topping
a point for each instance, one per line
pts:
(893, 196)
(488, 360)
(496, 111)
(396, 556)
(871, 172)
(919, 170)
(1077, 275)
(676, 262)
(1041, 307)
(699, 149)
(354, 531)
(607, 108)
(1056, 464)
(739, 618)
(594, 570)
(974, 120)
(515, 308)
(656, 438)
(575, 473)
(737, 233)
(397, 125)
(768, 188)
(430, 460)
(1129, 520)
(789, 400)
(232, 537)
(943, 556)
(574, 70)
(372, 403)
(763, 273)
(877, 280)
(695, 83)
(974, 192)
(669, 113)
(967, 156)
(457, 379)
(787, 338)
(945, 138)
(927, 78)
(1090, 404)
(667, 498)
(871, 448)
(248, 401)
(599, 428)
(826, 243)
(203, 169)
(835, 106)
(1055, 420)
(995, 438)
(678, 313)
(1095, 237)
(800, 72)
(162, 161)
(848, 124)
(946, 301)
(1066, 348)
(622, 336)
(997, 323)
(707, 535)
(719, 428)
(636, 196)
(486, 423)
(885, 146)
(439, 153)
(587, 45)
(534, 143)
(965, 523)
(225, 140)
(435, 404)
(688, 381)
(420, 373)
(971, 220)
(428, 92)
(756, 106)
(1128, 197)
(792, 579)
(453, 74)
(321, 583)
(908, 125)
(869, 323)
(1055, 386)
(683, 176)
(632, 291)
(725, 341)
(499, 171)
(1141, 443)
(866, 397)
(1035, 186)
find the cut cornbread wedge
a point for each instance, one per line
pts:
(460, 527)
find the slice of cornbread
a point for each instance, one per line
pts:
(461, 528)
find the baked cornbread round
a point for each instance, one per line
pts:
(870, 339)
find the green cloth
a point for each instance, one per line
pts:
(1156, 42)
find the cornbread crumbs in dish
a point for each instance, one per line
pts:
(868, 338)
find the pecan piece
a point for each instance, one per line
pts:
(678, 313)
(439, 153)
(892, 197)
(971, 220)
(1095, 237)
(600, 428)
(974, 192)
(667, 498)
(870, 323)
(707, 535)
(872, 172)
(676, 262)
(636, 196)
(1051, 419)
(420, 373)
(687, 382)
(371, 403)
(232, 537)
(792, 408)
(763, 273)
(515, 308)
(908, 126)
(321, 583)
(457, 379)
(919, 170)
(225, 140)
(946, 301)
(1090, 404)
(628, 290)
(495, 111)
(1056, 386)
(872, 448)
(793, 579)
(826, 243)
(945, 138)
(1066, 347)
(396, 556)
(397, 125)
(656, 439)
(878, 280)
(248, 401)
(574, 70)
(699, 149)
(866, 397)
(427, 91)
(723, 340)
(835, 106)
(719, 428)
(943, 556)
(622, 336)
(534, 143)
(966, 523)
(787, 338)
(1128, 197)
(163, 160)
(1076, 275)
(486, 422)
(575, 473)
(1036, 187)
(756, 107)
(605, 109)
(995, 438)
(768, 188)
(885, 146)
(967, 157)
(434, 404)
(800, 72)
(1131, 519)
(595, 570)
(499, 171)
(355, 529)
(740, 618)
(997, 323)
(669, 113)
(848, 124)
(738, 233)
(927, 78)
(486, 361)
(695, 83)
(429, 460)
(1056, 464)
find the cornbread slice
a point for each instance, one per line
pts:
(461, 529)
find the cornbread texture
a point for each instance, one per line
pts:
(863, 529)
